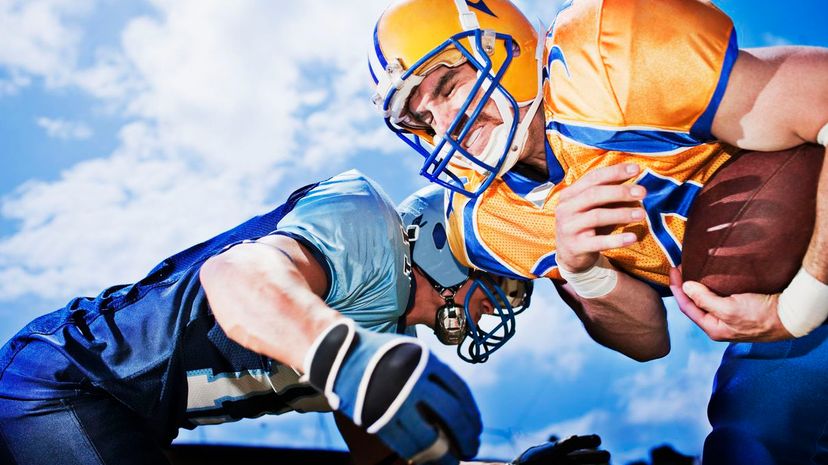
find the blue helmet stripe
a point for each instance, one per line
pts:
(377, 48)
(480, 6)
(371, 70)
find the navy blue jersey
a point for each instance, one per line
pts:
(155, 346)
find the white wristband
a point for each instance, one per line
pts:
(597, 281)
(822, 136)
(803, 305)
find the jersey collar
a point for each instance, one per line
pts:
(523, 185)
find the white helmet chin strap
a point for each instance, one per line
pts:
(467, 18)
(498, 137)
(523, 129)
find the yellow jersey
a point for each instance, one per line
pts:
(635, 81)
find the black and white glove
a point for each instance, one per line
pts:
(395, 388)
(580, 450)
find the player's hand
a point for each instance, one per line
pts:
(575, 450)
(585, 208)
(395, 388)
(735, 318)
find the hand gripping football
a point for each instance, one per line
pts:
(751, 224)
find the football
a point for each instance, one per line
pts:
(750, 226)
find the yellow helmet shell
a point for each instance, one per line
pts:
(408, 30)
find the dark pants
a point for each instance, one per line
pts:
(770, 404)
(49, 415)
(86, 429)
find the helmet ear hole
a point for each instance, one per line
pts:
(412, 232)
(515, 49)
(424, 211)
(438, 234)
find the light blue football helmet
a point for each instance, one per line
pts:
(424, 220)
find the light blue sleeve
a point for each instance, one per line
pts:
(353, 226)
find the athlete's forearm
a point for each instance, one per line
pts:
(262, 301)
(816, 258)
(631, 319)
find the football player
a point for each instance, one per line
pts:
(307, 308)
(576, 153)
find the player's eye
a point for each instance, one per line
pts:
(427, 119)
(419, 121)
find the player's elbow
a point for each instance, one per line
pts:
(652, 355)
(641, 347)
(240, 266)
(653, 351)
(227, 276)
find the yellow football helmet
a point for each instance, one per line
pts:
(413, 37)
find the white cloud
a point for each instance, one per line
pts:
(517, 443)
(85, 231)
(549, 341)
(40, 38)
(670, 393)
(310, 430)
(543, 10)
(224, 99)
(14, 83)
(550, 338)
(770, 40)
(65, 129)
(111, 78)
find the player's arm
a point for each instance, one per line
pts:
(775, 98)
(629, 320)
(266, 295)
(617, 310)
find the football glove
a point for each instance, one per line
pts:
(395, 388)
(581, 450)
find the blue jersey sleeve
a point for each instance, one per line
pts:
(352, 227)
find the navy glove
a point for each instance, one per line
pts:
(575, 450)
(395, 388)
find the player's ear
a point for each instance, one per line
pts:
(421, 310)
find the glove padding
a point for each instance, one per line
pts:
(395, 388)
(581, 450)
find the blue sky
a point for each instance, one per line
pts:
(129, 130)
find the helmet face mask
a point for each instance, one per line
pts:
(444, 150)
(481, 341)
(423, 219)
(455, 325)
(506, 74)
